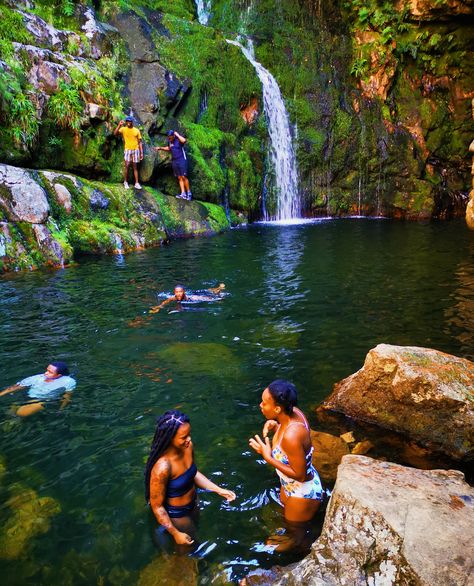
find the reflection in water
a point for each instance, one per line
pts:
(460, 316)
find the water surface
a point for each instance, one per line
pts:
(304, 302)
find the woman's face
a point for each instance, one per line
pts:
(268, 406)
(182, 438)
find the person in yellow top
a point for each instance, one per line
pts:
(133, 145)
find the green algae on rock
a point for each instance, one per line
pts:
(30, 516)
(47, 218)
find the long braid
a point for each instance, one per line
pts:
(166, 427)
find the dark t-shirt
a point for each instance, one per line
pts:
(177, 151)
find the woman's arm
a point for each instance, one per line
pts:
(158, 482)
(203, 482)
(159, 148)
(292, 445)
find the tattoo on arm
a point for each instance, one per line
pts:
(158, 483)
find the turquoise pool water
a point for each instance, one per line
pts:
(303, 302)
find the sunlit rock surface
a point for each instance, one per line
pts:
(389, 525)
(424, 393)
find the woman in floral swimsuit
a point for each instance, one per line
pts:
(290, 452)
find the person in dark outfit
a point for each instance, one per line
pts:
(178, 162)
(171, 478)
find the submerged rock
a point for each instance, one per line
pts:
(426, 394)
(389, 525)
(30, 516)
(173, 570)
(328, 452)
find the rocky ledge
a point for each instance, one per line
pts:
(48, 218)
(387, 524)
(425, 394)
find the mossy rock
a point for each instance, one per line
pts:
(204, 359)
(30, 517)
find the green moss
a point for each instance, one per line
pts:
(12, 26)
(216, 217)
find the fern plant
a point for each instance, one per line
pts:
(65, 108)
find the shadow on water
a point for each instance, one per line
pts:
(305, 303)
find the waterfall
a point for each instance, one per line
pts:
(282, 154)
(203, 8)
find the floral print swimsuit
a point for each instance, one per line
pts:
(310, 489)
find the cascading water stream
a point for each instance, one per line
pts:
(203, 8)
(282, 154)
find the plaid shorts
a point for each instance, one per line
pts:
(132, 156)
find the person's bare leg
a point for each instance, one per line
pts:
(135, 171)
(186, 184)
(181, 183)
(125, 172)
(29, 409)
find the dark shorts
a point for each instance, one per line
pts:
(180, 168)
(175, 512)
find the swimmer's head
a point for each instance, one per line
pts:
(171, 428)
(56, 369)
(221, 285)
(179, 292)
(283, 394)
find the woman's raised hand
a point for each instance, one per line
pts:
(261, 447)
(270, 425)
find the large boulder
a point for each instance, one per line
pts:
(426, 394)
(22, 199)
(387, 525)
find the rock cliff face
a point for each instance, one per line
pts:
(391, 525)
(69, 79)
(423, 393)
(379, 94)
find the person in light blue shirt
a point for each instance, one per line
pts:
(54, 384)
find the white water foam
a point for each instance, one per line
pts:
(203, 8)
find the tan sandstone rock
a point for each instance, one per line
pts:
(389, 525)
(327, 455)
(423, 393)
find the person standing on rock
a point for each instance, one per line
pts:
(133, 148)
(179, 162)
(290, 453)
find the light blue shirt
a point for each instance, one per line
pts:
(40, 388)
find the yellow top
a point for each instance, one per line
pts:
(131, 136)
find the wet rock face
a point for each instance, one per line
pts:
(435, 10)
(22, 199)
(424, 393)
(391, 525)
(148, 79)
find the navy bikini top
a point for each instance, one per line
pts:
(182, 484)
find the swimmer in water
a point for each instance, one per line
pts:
(171, 478)
(290, 453)
(47, 387)
(179, 295)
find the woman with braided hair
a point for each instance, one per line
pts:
(171, 477)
